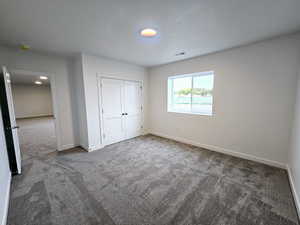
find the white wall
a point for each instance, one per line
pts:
(93, 66)
(80, 102)
(32, 100)
(254, 94)
(5, 175)
(294, 155)
(60, 69)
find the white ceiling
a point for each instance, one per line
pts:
(110, 28)
(26, 79)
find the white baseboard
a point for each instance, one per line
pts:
(34, 116)
(6, 203)
(293, 187)
(89, 149)
(94, 148)
(67, 146)
(223, 150)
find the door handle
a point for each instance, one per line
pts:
(126, 114)
(12, 128)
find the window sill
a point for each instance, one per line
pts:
(192, 113)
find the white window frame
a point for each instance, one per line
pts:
(192, 75)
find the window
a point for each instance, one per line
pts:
(191, 93)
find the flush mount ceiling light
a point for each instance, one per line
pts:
(148, 32)
(43, 78)
(38, 82)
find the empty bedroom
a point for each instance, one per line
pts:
(149, 112)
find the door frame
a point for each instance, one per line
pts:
(53, 99)
(99, 77)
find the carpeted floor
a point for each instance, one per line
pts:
(145, 180)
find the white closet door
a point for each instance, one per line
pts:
(112, 106)
(133, 108)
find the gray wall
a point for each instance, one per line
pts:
(32, 100)
(254, 96)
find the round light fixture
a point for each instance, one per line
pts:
(148, 32)
(38, 82)
(43, 78)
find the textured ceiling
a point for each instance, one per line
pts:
(110, 28)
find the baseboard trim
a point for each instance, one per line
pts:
(293, 187)
(67, 146)
(88, 149)
(6, 203)
(32, 117)
(95, 148)
(223, 150)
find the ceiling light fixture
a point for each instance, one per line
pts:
(43, 78)
(38, 82)
(148, 32)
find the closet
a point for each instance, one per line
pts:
(121, 108)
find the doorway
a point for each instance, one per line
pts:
(32, 95)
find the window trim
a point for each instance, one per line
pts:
(192, 75)
(206, 73)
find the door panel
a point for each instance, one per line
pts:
(133, 126)
(13, 122)
(112, 106)
(9, 121)
(113, 130)
(112, 97)
(132, 97)
(133, 108)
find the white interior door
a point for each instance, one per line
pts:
(12, 125)
(112, 111)
(133, 108)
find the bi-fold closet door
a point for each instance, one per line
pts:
(121, 105)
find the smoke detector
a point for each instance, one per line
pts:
(24, 47)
